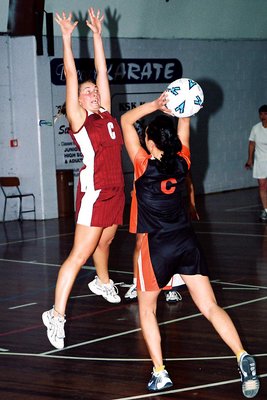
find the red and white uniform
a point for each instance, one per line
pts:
(100, 192)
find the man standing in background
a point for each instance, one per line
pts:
(257, 157)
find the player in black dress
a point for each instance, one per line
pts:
(169, 244)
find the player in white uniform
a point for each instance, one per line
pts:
(257, 157)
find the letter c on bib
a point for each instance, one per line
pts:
(111, 131)
(172, 187)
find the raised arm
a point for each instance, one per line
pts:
(131, 138)
(183, 131)
(75, 113)
(95, 24)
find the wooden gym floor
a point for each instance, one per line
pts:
(105, 357)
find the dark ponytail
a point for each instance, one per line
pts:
(163, 133)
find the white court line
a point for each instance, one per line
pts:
(29, 262)
(121, 228)
(212, 222)
(82, 296)
(93, 341)
(37, 238)
(230, 234)
(188, 389)
(235, 288)
(22, 305)
(121, 284)
(257, 206)
(88, 267)
(173, 359)
(139, 329)
(243, 285)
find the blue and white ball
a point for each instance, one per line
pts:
(185, 97)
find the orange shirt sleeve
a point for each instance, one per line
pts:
(140, 165)
(185, 153)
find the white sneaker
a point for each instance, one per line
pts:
(263, 215)
(108, 290)
(173, 296)
(159, 381)
(249, 378)
(131, 293)
(55, 328)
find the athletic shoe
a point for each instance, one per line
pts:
(173, 296)
(108, 290)
(159, 380)
(249, 379)
(263, 215)
(131, 293)
(55, 328)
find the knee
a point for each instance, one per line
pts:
(208, 310)
(263, 184)
(145, 312)
(105, 243)
(147, 317)
(78, 258)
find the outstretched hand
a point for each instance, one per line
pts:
(95, 23)
(161, 103)
(65, 23)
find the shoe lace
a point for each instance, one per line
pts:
(179, 296)
(57, 326)
(133, 288)
(111, 289)
(60, 327)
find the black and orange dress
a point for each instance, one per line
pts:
(169, 244)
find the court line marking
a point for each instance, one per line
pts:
(235, 288)
(86, 267)
(241, 285)
(125, 228)
(139, 329)
(22, 305)
(172, 359)
(168, 392)
(36, 238)
(122, 284)
(213, 222)
(116, 308)
(187, 389)
(121, 228)
(230, 234)
(257, 206)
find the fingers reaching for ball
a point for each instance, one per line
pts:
(162, 101)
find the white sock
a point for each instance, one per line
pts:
(241, 354)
